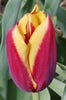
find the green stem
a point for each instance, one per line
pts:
(36, 96)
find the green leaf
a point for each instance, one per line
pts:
(61, 72)
(28, 96)
(43, 1)
(9, 76)
(41, 7)
(61, 50)
(45, 94)
(63, 67)
(64, 94)
(28, 6)
(0, 28)
(20, 11)
(57, 86)
(9, 19)
(61, 16)
(54, 20)
(16, 94)
(12, 91)
(51, 6)
(21, 95)
(54, 95)
(60, 78)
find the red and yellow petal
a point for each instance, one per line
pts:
(31, 51)
(39, 14)
(17, 58)
(22, 25)
(30, 22)
(36, 40)
(42, 56)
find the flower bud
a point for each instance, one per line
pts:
(31, 51)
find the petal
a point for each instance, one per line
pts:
(17, 53)
(41, 16)
(36, 40)
(37, 19)
(42, 56)
(34, 20)
(22, 24)
(35, 9)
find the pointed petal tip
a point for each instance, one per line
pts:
(35, 9)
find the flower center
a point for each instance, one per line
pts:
(29, 31)
(29, 23)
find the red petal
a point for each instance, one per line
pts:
(45, 62)
(18, 70)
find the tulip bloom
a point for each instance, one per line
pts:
(31, 51)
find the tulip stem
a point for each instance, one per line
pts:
(36, 96)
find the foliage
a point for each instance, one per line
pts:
(14, 10)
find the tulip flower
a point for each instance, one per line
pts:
(31, 51)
